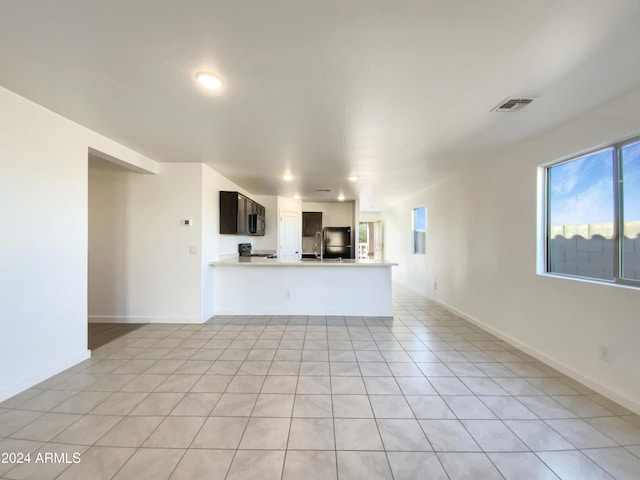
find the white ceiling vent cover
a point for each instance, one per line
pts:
(512, 104)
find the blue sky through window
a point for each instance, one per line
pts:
(581, 191)
(420, 218)
(631, 185)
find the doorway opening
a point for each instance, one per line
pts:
(370, 241)
(100, 334)
(108, 249)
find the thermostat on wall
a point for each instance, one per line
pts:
(188, 222)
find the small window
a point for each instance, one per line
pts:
(419, 230)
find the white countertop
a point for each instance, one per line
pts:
(280, 262)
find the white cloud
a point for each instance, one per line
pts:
(565, 177)
(594, 205)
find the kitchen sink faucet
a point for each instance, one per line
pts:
(315, 247)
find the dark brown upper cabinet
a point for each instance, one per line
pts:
(239, 215)
(311, 223)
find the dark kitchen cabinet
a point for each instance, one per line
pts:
(311, 223)
(233, 213)
(239, 215)
(253, 208)
(243, 220)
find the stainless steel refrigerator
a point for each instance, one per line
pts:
(337, 242)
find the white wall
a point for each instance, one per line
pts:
(481, 249)
(108, 234)
(334, 214)
(43, 247)
(140, 265)
(369, 216)
(289, 204)
(141, 268)
(412, 269)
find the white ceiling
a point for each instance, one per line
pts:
(398, 92)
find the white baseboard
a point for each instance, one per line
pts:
(43, 375)
(357, 312)
(141, 319)
(618, 397)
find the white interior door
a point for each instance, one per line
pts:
(377, 240)
(290, 235)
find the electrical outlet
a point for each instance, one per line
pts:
(603, 353)
(287, 294)
(193, 249)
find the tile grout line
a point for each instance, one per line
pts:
(137, 449)
(244, 431)
(409, 405)
(415, 322)
(203, 423)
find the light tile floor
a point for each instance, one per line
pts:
(422, 395)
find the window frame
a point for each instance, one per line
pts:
(618, 214)
(414, 230)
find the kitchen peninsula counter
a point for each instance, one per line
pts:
(269, 286)
(311, 262)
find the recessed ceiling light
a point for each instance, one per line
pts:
(341, 198)
(287, 178)
(208, 80)
(353, 178)
(296, 196)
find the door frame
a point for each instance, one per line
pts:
(378, 254)
(281, 233)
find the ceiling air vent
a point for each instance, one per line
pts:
(323, 190)
(512, 104)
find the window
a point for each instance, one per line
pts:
(418, 230)
(630, 212)
(593, 215)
